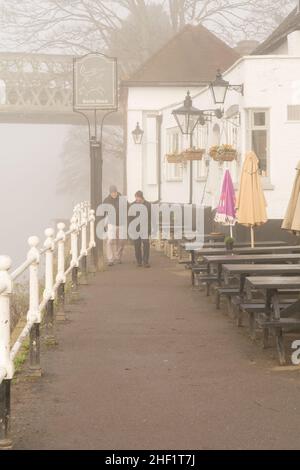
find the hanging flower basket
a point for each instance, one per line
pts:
(223, 153)
(227, 153)
(193, 154)
(213, 152)
(174, 158)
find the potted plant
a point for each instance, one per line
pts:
(174, 157)
(226, 153)
(193, 154)
(213, 152)
(229, 242)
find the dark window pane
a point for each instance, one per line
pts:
(259, 146)
(260, 119)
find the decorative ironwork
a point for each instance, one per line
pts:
(36, 84)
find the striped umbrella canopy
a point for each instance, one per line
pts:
(251, 203)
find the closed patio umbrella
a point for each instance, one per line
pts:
(225, 213)
(251, 203)
(291, 220)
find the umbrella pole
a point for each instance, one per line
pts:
(252, 236)
(230, 228)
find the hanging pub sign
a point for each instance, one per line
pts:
(95, 82)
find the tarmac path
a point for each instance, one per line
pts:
(145, 362)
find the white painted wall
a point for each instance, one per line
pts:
(269, 82)
(142, 102)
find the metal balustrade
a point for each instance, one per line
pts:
(47, 263)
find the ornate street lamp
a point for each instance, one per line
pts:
(187, 116)
(219, 88)
(137, 134)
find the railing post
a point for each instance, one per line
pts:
(74, 255)
(92, 242)
(48, 291)
(34, 314)
(61, 277)
(83, 250)
(6, 365)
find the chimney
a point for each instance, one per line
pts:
(245, 47)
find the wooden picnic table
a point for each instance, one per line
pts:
(236, 294)
(276, 319)
(244, 270)
(194, 246)
(220, 260)
(265, 247)
(248, 250)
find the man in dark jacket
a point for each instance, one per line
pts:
(142, 243)
(114, 245)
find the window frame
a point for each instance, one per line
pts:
(287, 113)
(172, 168)
(252, 127)
(200, 140)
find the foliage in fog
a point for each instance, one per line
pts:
(131, 29)
(75, 161)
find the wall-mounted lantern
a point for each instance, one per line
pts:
(219, 88)
(137, 134)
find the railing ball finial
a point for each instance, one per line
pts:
(5, 263)
(33, 241)
(49, 232)
(61, 226)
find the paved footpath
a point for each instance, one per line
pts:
(145, 362)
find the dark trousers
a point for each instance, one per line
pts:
(142, 250)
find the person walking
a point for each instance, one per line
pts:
(142, 243)
(115, 244)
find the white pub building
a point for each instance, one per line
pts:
(260, 106)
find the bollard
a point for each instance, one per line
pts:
(6, 365)
(48, 291)
(61, 277)
(92, 243)
(74, 254)
(83, 251)
(34, 314)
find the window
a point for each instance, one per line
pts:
(259, 138)
(232, 130)
(151, 149)
(174, 171)
(200, 140)
(293, 112)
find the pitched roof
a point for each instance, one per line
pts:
(191, 56)
(291, 22)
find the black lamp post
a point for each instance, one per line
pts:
(219, 88)
(187, 117)
(137, 134)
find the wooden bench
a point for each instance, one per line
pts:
(277, 325)
(255, 308)
(208, 280)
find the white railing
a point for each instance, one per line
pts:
(48, 267)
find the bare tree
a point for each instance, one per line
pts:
(79, 26)
(75, 172)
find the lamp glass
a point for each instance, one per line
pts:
(137, 134)
(219, 88)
